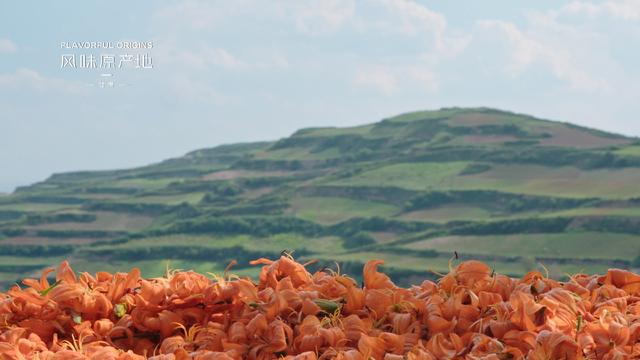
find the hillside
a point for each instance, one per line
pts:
(510, 189)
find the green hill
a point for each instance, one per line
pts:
(413, 190)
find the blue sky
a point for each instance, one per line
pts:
(233, 71)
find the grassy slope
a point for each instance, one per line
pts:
(586, 245)
(331, 210)
(410, 189)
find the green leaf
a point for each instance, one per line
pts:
(46, 291)
(327, 306)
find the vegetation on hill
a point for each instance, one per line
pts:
(507, 188)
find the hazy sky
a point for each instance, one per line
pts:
(231, 71)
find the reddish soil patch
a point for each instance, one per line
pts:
(383, 236)
(254, 194)
(569, 137)
(487, 139)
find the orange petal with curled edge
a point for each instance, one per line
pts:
(371, 346)
(334, 337)
(524, 311)
(44, 329)
(349, 355)
(309, 307)
(279, 336)
(354, 299)
(257, 326)
(354, 327)
(307, 355)
(374, 279)
(102, 327)
(445, 346)
(65, 273)
(29, 295)
(41, 284)
(554, 345)
(261, 261)
(469, 272)
(393, 343)
(237, 332)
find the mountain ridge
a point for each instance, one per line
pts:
(312, 129)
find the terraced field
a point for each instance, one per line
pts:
(414, 190)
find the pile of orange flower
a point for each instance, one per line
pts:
(470, 313)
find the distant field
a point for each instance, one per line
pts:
(256, 193)
(299, 154)
(38, 240)
(528, 179)
(424, 264)
(239, 174)
(150, 268)
(443, 214)
(591, 245)
(555, 181)
(144, 183)
(629, 150)
(101, 196)
(35, 264)
(413, 176)
(158, 268)
(104, 221)
(383, 237)
(599, 211)
(20, 260)
(440, 265)
(36, 207)
(275, 243)
(330, 210)
(558, 134)
(9, 278)
(190, 198)
(484, 139)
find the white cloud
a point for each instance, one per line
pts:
(7, 46)
(308, 17)
(621, 9)
(527, 50)
(417, 17)
(625, 9)
(380, 78)
(581, 7)
(198, 90)
(425, 77)
(223, 58)
(318, 17)
(431, 37)
(417, 20)
(207, 58)
(31, 79)
(389, 80)
(200, 15)
(427, 44)
(524, 51)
